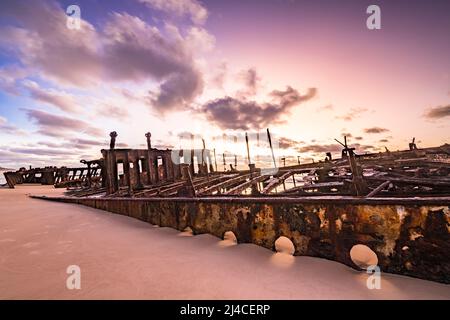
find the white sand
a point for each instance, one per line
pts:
(121, 257)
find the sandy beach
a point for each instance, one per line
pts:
(123, 258)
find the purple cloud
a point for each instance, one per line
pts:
(124, 48)
(7, 128)
(191, 8)
(61, 100)
(251, 81)
(438, 112)
(233, 113)
(376, 130)
(352, 114)
(60, 126)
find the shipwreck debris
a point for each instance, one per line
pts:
(386, 201)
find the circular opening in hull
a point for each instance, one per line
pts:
(230, 236)
(363, 256)
(187, 232)
(284, 245)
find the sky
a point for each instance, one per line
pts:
(311, 71)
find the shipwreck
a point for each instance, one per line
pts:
(397, 203)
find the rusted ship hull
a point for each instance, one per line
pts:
(409, 238)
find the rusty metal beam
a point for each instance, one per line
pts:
(378, 189)
(315, 186)
(224, 184)
(241, 187)
(211, 182)
(413, 181)
(276, 181)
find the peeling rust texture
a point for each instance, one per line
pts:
(409, 239)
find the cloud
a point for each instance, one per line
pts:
(438, 112)
(9, 76)
(177, 91)
(358, 138)
(319, 148)
(43, 151)
(11, 159)
(376, 130)
(384, 140)
(191, 8)
(122, 145)
(286, 143)
(134, 50)
(234, 113)
(45, 44)
(290, 97)
(87, 143)
(6, 128)
(163, 146)
(137, 51)
(334, 148)
(352, 114)
(123, 48)
(251, 81)
(74, 143)
(111, 111)
(59, 99)
(199, 40)
(60, 126)
(50, 144)
(346, 134)
(219, 77)
(37, 157)
(328, 107)
(363, 148)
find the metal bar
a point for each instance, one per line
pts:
(248, 149)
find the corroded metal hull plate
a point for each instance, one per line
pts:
(409, 237)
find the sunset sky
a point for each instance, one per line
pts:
(311, 71)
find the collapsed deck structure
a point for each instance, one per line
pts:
(395, 203)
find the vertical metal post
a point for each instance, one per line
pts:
(271, 148)
(248, 149)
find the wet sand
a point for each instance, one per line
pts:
(123, 258)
